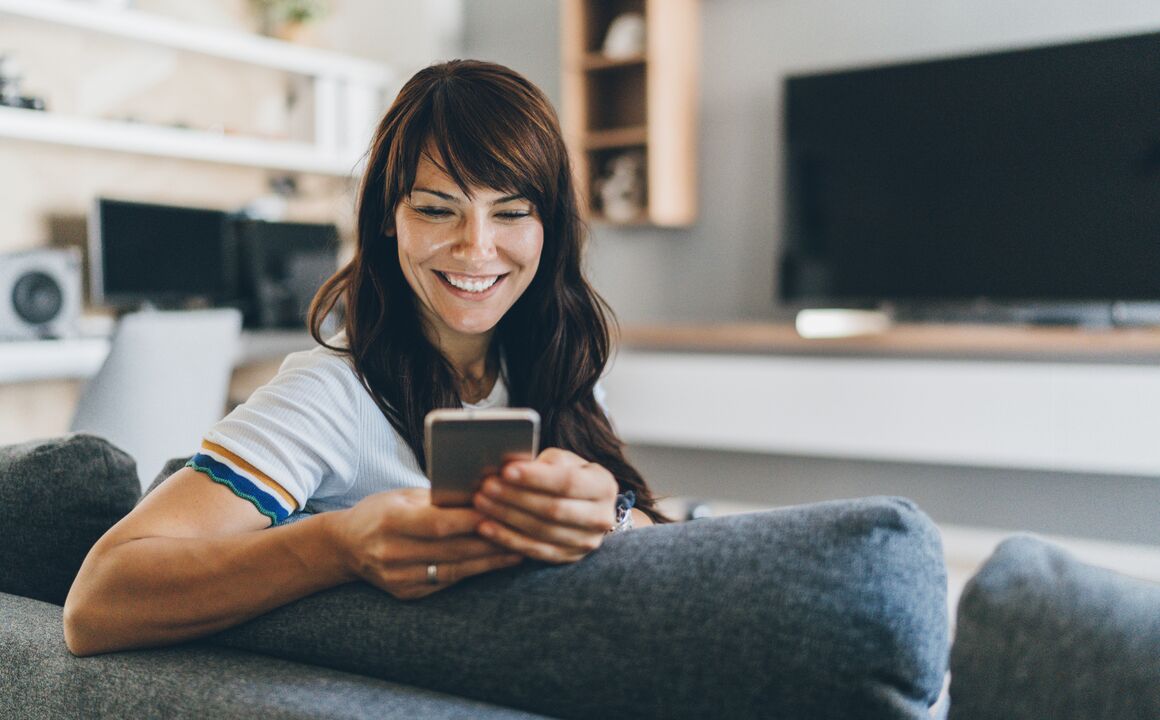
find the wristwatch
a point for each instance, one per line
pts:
(624, 503)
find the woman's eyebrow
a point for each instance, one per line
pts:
(436, 193)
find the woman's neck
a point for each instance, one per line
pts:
(475, 365)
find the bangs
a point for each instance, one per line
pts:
(481, 139)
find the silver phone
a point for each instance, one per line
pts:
(465, 446)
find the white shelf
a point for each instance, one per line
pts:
(231, 45)
(170, 142)
(349, 94)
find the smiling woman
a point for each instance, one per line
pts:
(465, 290)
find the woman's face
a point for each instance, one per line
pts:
(466, 259)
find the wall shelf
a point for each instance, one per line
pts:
(349, 94)
(157, 141)
(645, 103)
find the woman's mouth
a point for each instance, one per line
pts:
(473, 284)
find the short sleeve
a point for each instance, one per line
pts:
(301, 429)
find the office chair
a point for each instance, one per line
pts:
(164, 382)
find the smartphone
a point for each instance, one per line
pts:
(465, 446)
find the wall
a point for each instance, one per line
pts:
(45, 190)
(722, 268)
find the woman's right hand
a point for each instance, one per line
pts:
(391, 538)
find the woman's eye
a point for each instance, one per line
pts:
(434, 212)
(514, 214)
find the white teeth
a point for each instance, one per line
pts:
(475, 285)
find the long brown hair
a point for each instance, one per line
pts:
(489, 127)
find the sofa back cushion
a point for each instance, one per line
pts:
(831, 610)
(57, 497)
(1041, 635)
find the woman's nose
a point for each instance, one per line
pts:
(477, 242)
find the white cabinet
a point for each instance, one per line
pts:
(348, 95)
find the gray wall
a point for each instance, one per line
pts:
(722, 268)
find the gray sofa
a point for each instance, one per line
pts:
(831, 610)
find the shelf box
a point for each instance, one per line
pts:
(617, 138)
(647, 101)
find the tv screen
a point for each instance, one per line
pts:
(1029, 175)
(162, 255)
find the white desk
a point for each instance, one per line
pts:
(80, 358)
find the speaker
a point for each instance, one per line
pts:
(40, 294)
(281, 266)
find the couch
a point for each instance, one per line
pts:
(828, 610)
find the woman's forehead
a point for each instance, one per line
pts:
(431, 175)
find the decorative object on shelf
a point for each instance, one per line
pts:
(621, 187)
(288, 20)
(10, 79)
(625, 37)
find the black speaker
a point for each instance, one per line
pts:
(281, 265)
(40, 294)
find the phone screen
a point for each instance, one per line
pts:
(465, 446)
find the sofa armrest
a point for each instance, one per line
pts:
(1042, 635)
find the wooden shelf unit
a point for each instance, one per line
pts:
(639, 103)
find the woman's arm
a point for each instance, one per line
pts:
(556, 508)
(193, 558)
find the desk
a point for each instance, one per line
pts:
(80, 358)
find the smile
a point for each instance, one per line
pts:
(470, 283)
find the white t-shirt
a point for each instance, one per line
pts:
(312, 440)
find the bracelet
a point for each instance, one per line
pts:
(624, 503)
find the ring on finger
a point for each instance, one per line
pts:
(432, 574)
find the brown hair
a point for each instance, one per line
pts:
(487, 126)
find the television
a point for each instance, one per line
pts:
(1020, 184)
(165, 256)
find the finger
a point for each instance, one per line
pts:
(431, 522)
(537, 549)
(584, 481)
(449, 573)
(583, 514)
(536, 528)
(461, 547)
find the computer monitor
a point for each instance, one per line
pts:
(144, 254)
(281, 266)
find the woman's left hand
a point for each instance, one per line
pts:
(556, 508)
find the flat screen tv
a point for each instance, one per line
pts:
(1025, 178)
(166, 256)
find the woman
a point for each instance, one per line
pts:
(465, 289)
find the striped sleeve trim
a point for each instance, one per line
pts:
(244, 480)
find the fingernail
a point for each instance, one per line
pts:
(486, 529)
(511, 472)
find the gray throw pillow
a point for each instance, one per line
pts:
(57, 497)
(1043, 636)
(831, 610)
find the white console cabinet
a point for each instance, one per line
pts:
(999, 401)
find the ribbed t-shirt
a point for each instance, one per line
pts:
(312, 440)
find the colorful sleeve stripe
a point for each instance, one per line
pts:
(244, 480)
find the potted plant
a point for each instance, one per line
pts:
(288, 19)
